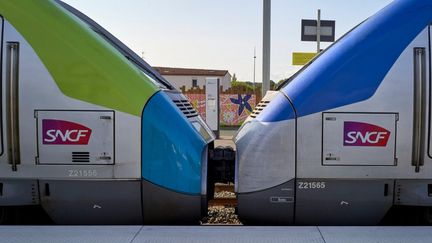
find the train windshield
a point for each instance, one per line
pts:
(205, 132)
(137, 61)
(288, 80)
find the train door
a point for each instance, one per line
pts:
(422, 135)
(13, 192)
(12, 71)
(3, 157)
(10, 155)
(427, 79)
(9, 132)
(421, 143)
(11, 108)
(419, 109)
(417, 191)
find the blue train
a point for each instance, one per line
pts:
(347, 140)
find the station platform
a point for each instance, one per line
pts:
(212, 234)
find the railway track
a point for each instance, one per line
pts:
(224, 187)
(227, 201)
(223, 201)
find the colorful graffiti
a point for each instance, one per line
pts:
(234, 108)
(242, 102)
(198, 102)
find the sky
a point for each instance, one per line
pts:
(221, 34)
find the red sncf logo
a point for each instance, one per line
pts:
(365, 134)
(64, 133)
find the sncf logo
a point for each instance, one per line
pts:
(364, 134)
(64, 132)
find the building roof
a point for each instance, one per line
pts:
(168, 71)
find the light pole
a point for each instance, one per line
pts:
(266, 46)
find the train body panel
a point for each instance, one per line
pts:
(274, 205)
(342, 202)
(100, 202)
(265, 160)
(33, 100)
(362, 119)
(77, 137)
(165, 143)
(393, 96)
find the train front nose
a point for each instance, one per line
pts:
(174, 163)
(265, 165)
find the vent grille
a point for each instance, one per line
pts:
(186, 107)
(81, 157)
(259, 108)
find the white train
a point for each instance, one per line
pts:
(86, 126)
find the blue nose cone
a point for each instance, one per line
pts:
(278, 109)
(172, 149)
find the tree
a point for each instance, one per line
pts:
(246, 86)
(234, 78)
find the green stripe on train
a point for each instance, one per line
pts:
(82, 64)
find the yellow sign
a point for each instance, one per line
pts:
(301, 58)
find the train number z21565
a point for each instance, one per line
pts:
(311, 185)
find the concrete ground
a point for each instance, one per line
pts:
(212, 234)
(225, 138)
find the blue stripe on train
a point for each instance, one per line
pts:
(354, 67)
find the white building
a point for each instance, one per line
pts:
(194, 78)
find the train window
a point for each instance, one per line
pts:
(202, 129)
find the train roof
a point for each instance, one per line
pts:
(86, 62)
